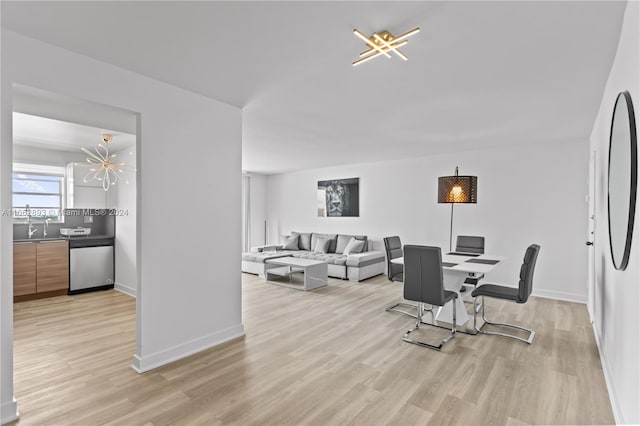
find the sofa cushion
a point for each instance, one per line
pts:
(304, 243)
(291, 243)
(330, 258)
(354, 246)
(322, 245)
(360, 260)
(343, 240)
(331, 237)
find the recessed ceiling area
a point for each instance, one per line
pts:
(47, 133)
(479, 75)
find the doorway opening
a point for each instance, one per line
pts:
(73, 236)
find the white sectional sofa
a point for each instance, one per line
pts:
(353, 266)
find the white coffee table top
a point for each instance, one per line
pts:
(294, 261)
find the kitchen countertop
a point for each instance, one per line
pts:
(62, 237)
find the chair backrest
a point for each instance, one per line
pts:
(393, 247)
(470, 244)
(423, 276)
(525, 286)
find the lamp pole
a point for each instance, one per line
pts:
(451, 229)
(456, 189)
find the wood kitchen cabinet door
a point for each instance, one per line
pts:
(24, 268)
(52, 265)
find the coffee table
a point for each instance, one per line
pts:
(315, 272)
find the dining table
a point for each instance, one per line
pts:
(456, 267)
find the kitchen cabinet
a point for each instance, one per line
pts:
(89, 197)
(24, 268)
(52, 266)
(40, 269)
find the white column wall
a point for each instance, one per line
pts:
(526, 194)
(617, 293)
(122, 198)
(189, 156)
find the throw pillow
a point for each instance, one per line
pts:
(354, 246)
(343, 240)
(305, 240)
(322, 245)
(291, 243)
(332, 241)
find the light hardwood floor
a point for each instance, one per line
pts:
(327, 357)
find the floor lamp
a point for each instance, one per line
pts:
(457, 190)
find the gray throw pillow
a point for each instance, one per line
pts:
(343, 240)
(332, 241)
(305, 240)
(354, 246)
(291, 243)
(322, 245)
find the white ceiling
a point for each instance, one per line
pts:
(480, 74)
(46, 133)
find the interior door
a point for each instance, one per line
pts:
(591, 302)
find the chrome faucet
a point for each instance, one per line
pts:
(45, 226)
(31, 229)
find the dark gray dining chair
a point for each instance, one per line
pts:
(518, 294)
(470, 244)
(393, 249)
(424, 283)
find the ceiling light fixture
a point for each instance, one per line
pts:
(383, 43)
(102, 165)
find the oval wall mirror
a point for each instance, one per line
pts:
(623, 179)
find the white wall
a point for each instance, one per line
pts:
(122, 198)
(258, 209)
(8, 405)
(617, 296)
(527, 194)
(189, 296)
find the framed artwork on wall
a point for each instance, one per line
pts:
(339, 198)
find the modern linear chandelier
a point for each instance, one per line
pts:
(102, 165)
(383, 43)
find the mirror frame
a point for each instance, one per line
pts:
(633, 180)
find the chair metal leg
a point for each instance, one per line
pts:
(486, 321)
(419, 321)
(453, 326)
(394, 308)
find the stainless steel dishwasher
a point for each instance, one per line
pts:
(91, 264)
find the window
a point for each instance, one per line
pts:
(38, 192)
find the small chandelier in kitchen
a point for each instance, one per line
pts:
(102, 165)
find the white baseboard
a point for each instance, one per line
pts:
(122, 288)
(9, 412)
(559, 295)
(158, 359)
(608, 378)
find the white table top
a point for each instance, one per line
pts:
(464, 262)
